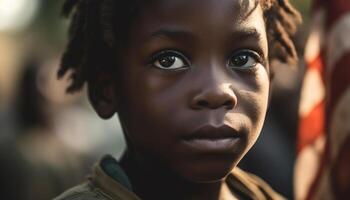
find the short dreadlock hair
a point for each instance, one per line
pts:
(97, 28)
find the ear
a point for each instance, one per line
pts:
(102, 95)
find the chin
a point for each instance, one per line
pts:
(207, 172)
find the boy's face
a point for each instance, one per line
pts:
(194, 85)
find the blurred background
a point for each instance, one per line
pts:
(50, 139)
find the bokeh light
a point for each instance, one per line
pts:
(15, 15)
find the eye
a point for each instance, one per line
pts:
(170, 60)
(244, 60)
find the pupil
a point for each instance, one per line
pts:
(167, 61)
(240, 60)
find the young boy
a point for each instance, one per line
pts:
(190, 81)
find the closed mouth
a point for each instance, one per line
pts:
(209, 132)
(212, 139)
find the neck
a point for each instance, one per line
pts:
(154, 182)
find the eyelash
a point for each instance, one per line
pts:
(171, 52)
(255, 54)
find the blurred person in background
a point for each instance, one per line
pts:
(11, 54)
(36, 164)
(50, 149)
(41, 140)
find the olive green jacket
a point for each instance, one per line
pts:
(108, 182)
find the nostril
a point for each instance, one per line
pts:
(228, 104)
(202, 104)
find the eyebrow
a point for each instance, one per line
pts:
(246, 33)
(240, 34)
(172, 33)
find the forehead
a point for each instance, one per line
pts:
(238, 8)
(200, 15)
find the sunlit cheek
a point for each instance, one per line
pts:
(256, 101)
(262, 80)
(263, 87)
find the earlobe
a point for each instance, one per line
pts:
(103, 99)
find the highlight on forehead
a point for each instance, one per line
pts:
(248, 7)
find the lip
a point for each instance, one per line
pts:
(209, 138)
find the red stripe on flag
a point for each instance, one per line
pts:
(311, 127)
(340, 82)
(336, 9)
(317, 64)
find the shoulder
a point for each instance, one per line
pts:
(107, 181)
(84, 191)
(251, 186)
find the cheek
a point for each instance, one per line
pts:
(256, 103)
(150, 107)
(152, 95)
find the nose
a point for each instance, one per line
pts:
(215, 97)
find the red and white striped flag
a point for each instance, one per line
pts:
(322, 168)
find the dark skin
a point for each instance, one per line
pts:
(192, 95)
